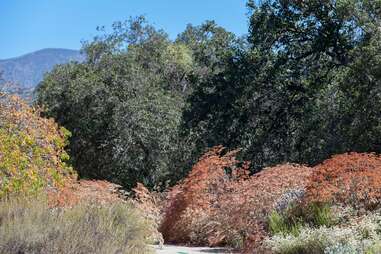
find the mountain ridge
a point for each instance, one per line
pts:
(27, 70)
(37, 52)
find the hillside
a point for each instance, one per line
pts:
(28, 70)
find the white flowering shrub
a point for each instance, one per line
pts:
(361, 235)
(340, 248)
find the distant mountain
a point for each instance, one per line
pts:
(28, 70)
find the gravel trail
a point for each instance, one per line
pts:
(172, 249)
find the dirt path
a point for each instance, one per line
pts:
(171, 249)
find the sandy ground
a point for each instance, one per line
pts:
(171, 249)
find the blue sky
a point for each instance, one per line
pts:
(29, 25)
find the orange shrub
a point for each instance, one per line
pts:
(93, 191)
(350, 179)
(192, 199)
(246, 203)
(220, 204)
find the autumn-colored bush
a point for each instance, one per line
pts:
(246, 203)
(76, 192)
(32, 155)
(348, 179)
(192, 199)
(218, 203)
(340, 191)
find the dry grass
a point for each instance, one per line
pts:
(150, 205)
(29, 226)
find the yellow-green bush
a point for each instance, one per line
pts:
(32, 154)
(30, 226)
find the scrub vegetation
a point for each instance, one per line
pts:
(266, 143)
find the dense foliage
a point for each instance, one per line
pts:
(307, 87)
(303, 85)
(32, 155)
(124, 104)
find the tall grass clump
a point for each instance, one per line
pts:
(30, 226)
(322, 215)
(279, 224)
(293, 219)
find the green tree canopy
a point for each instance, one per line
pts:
(298, 94)
(124, 104)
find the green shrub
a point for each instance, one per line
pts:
(320, 215)
(31, 227)
(295, 217)
(278, 224)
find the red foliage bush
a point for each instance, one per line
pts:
(246, 203)
(349, 179)
(190, 200)
(215, 207)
